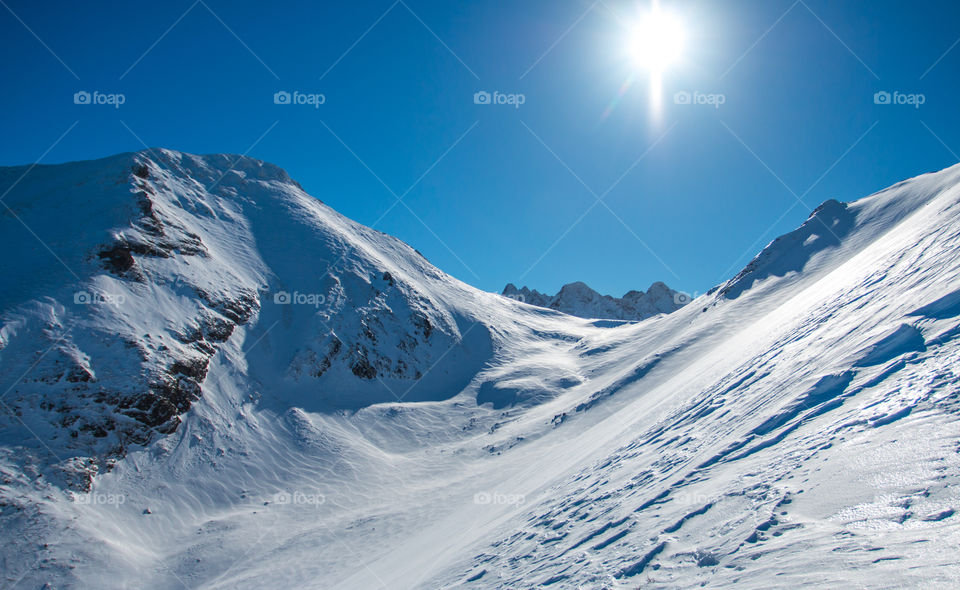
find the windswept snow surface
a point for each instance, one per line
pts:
(798, 425)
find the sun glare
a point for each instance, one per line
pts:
(654, 44)
(657, 40)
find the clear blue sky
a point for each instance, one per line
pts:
(503, 188)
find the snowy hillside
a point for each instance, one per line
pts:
(580, 300)
(212, 380)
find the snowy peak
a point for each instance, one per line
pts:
(789, 253)
(836, 231)
(580, 300)
(175, 262)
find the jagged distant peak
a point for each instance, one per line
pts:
(579, 299)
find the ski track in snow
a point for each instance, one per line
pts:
(798, 425)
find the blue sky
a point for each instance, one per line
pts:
(573, 184)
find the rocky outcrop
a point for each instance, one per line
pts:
(580, 300)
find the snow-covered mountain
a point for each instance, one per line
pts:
(580, 300)
(155, 259)
(209, 379)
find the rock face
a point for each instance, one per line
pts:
(116, 358)
(580, 300)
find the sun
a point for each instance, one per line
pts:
(653, 44)
(656, 41)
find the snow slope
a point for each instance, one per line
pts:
(580, 300)
(797, 425)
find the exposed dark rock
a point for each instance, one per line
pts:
(362, 367)
(79, 375)
(238, 309)
(195, 368)
(215, 328)
(335, 346)
(327, 361)
(170, 426)
(117, 259)
(149, 221)
(191, 335)
(96, 430)
(204, 347)
(421, 321)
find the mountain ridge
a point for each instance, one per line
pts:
(722, 444)
(580, 300)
